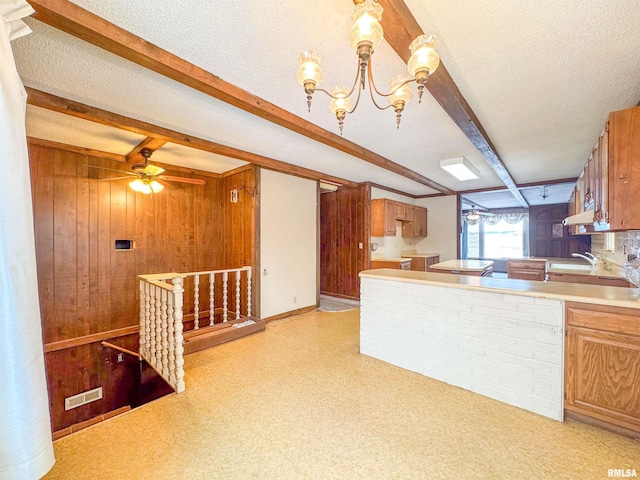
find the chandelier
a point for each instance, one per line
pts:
(365, 36)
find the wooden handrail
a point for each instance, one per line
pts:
(122, 349)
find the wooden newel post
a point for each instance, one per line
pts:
(178, 291)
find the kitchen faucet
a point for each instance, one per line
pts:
(592, 259)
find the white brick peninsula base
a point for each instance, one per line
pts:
(506, 347)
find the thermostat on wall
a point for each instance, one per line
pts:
(125, 244)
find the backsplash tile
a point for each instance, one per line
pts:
(627, 243)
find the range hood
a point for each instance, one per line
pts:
(583, 218)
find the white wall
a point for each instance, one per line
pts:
(288, 243)
(441, 227)
(391, 247)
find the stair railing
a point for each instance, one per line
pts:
(162, 316)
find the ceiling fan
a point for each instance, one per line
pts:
(149, 178)
(475, 214)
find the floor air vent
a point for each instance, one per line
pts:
(82, 398)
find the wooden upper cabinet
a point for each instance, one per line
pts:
(610, 181)
(385, 212)
(602, 200)
(420, 222)
(404, 212)
(383, 217)
(624, 170)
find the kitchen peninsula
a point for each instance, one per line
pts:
(503, 338)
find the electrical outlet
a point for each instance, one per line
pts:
(120, 358)
(295, 299)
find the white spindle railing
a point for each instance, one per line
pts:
(161, 326)
(161, 315)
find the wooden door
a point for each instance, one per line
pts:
(344, 227)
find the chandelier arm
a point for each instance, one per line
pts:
(357, 102)
(398, 87)
(374, 101)
(371, 90)
(353, 87)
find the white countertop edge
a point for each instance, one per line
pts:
(570, 292)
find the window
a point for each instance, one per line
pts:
(499, 236)
(504, 240)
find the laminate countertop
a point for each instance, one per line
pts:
(571, 292)
(408, 253)
(463, 265)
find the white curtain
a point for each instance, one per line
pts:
(26, 450)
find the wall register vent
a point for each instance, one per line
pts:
(83, 398)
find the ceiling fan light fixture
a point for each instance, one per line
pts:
(460, 168)
(146, 186)
(156, 186)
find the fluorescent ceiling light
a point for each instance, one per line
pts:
(460, 168)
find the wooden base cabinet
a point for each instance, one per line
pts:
(602, 364)
(527, 269)
(422, 264)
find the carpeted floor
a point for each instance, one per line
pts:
(299, 402)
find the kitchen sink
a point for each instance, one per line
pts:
(571, 266)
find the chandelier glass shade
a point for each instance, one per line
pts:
(365, 36)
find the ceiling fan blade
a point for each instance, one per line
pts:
(114, 178)
(163, 183)
(193, 181)
(152, 170)
(110, 169)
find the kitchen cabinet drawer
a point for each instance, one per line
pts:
(527, 269)
(525, 274)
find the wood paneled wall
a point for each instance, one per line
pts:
(344, 223)
(542, 240)
(87, 287)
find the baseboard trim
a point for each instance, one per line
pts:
(594, 422)
(338, 295)
(300, 311)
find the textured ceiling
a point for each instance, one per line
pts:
(557, 193)
(541, 77)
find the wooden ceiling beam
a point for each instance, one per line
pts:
(41, 99)
(150, 143)
(72, 148)
(522, 185)
(400, 29)
(81, 23)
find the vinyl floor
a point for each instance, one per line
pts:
(299, 401)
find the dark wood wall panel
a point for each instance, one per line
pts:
(344, 223)
(88, 287)
(543, 242)
(239, 245)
